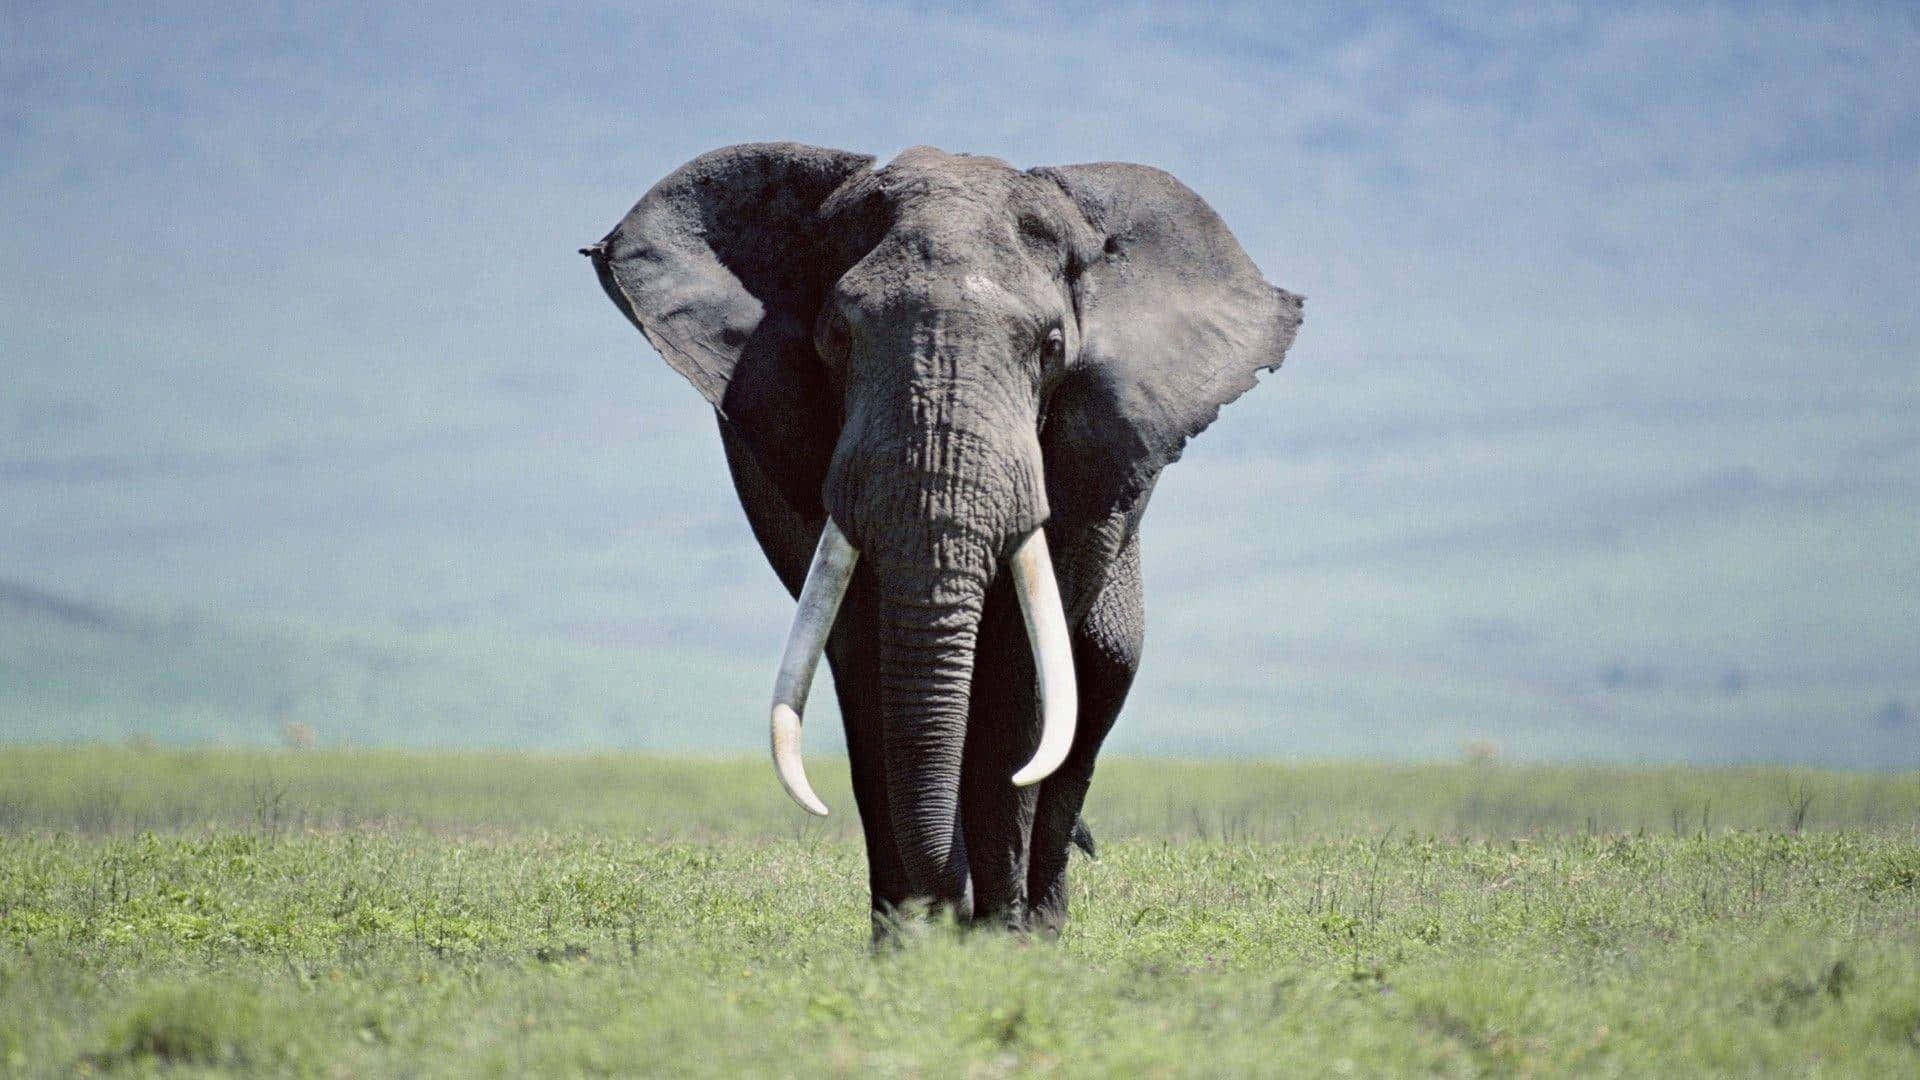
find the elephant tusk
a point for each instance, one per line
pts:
(827, 579)
(1039, 593)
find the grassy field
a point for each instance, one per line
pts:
(363, 913)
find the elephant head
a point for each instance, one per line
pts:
(931, 361)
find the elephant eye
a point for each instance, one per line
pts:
(831, 339)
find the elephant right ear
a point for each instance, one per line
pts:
(723, 266)
(1175, 321)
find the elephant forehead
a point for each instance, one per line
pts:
(930, 190)
(984, 289)
(943, 261)
(980, 294)
(924, 167)
(930, 207)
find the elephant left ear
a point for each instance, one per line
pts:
(1175, 321)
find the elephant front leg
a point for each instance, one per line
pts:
(856, 686)
(1002, 733)
(1106, 653)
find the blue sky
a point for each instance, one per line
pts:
(1714, 187)
(1569, 268)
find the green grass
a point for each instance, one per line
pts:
(473, 914)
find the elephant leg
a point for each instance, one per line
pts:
(851, 653)
(788, 539)
(1002, 734)
(1106, 653)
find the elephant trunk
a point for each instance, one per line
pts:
(928, 623)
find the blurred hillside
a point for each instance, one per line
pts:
(1365, 557)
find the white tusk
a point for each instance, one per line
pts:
(1039, 593)
(827, 579)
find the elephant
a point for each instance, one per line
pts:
(945, 390)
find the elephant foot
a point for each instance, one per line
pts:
(894, 925)
(1010, 917)
(1047, 910)
(1047, 921)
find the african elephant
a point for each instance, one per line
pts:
(945, 390)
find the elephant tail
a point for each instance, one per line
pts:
(1082, 838)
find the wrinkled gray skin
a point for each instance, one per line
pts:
(944, 354)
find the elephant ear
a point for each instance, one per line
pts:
(1175, 321)
(723, 266)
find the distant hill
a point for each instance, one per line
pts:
(1371, 557)
(78, 671)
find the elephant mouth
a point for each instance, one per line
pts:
(1034, 583)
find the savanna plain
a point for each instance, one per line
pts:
(408, 913)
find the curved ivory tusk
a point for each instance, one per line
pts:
(1039, 594)
(827, 579)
